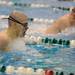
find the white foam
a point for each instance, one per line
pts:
(17, 44)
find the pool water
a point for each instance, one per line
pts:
(49, 57)
(39, 56)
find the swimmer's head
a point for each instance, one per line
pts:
(19, 19)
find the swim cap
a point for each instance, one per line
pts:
(18, 16)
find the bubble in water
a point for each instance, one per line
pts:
(17, 44)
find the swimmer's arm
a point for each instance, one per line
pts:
(3, 40)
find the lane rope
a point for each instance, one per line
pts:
(39, 20)
(33, 5)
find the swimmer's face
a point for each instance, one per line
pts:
(23, 29)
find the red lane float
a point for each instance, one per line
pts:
(49, 72)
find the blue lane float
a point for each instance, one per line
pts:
(2, 69)
(49, 41)
(62, 8)
(71, 74)
(61, 42)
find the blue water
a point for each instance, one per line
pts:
(53, 56)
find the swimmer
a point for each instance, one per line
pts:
(61, 24)
(17, 27)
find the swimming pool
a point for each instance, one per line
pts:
(59, 58)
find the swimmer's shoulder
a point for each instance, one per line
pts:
(3, 34)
